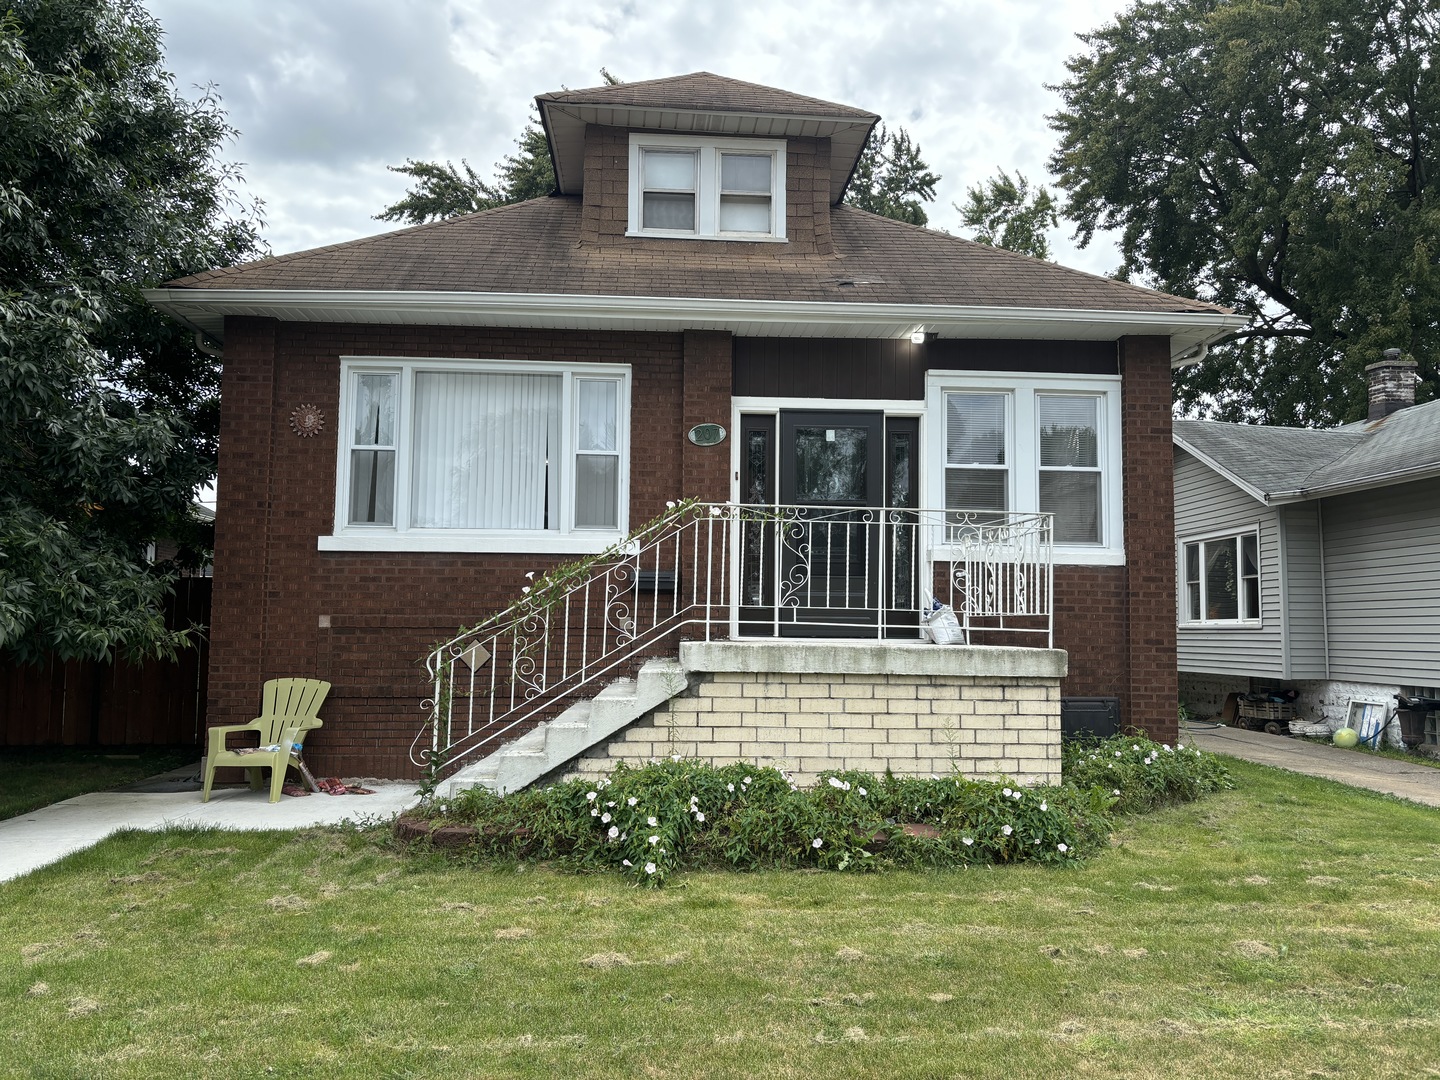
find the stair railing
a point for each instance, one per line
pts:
(573, 626)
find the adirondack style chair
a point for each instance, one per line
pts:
(288, 712)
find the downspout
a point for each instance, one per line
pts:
(1192, 358)
(205, 347)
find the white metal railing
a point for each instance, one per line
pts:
(740, 571)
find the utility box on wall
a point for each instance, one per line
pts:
(1089, 716)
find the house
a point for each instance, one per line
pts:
(865, 413)
(1310, 559)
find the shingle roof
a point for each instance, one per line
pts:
(703, 91)
(1290, 463)
(535, 247)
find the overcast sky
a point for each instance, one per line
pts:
(326, 93)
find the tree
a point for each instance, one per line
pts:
(1280, 158)
(109, 183)
(1009, 215)
(443, 191)
(891, 179)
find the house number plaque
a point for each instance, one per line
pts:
(707, 434)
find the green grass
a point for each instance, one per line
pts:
(34, 777)
(1288, 928)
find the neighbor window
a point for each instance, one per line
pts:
(708, 188)
(1221, 579)
(467, 455)
(1024, 444)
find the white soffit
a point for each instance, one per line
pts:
(205, 310)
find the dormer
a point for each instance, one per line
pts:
(703, 158)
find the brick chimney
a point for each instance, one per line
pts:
(1392, 384)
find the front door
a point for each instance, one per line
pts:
(822, 563)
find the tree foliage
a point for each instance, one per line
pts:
(109, 183)
(891, 179)
(1006, 213)
(1280, 158)
(443, 191)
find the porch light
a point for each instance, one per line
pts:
(917, 336)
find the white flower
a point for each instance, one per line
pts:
(611, 804)
(652, 822)
(674, 757)
(1037, 839)
(525, 591)
(631, 801)
(836, 783)
(594, 812)
(614, 832)
(1117, 791)
(649, 868)
(863, 791)
(605, 819)
(1062, 848)
(746, 780)
(714, 511)
(729, 787)
(669, 504)
(1019, 795)
(590, 796)
(699, 816)
(1117, 753)
(817, 842)
(1043, 806)
(967, 841)
(654, 839)
(1134, 747)
(1179, 746)
(1006, 792)
(1166, 748)
(530, 576)
(1006, 829)
(626, 862)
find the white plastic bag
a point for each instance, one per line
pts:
(944, 627)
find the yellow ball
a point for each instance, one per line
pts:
(1346, 737)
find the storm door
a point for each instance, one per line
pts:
(813, 565)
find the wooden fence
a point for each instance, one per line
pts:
(102, 703)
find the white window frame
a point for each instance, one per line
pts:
(707, 185)
(1022, 450)
(1182, 592)
(567, 539)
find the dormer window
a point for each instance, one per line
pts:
(707, 188)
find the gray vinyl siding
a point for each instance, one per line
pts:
(1206, 504)
(1303, 592)
(1382, 582)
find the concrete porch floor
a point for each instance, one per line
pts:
(47, 835)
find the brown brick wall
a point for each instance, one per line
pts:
(385, 610)
(605, 209)
(1152, 696)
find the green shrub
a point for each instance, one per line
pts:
(1140, 774)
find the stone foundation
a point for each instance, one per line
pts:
(918, 710)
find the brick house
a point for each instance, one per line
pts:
(868, 413)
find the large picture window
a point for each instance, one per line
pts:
(467, 455)
(1024, 444)
(707, 188)
(1221, 579)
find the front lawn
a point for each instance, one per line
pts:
(1286, 928)
(32, 777)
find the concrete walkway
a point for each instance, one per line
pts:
(49, 834)
(1418, 783)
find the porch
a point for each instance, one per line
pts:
(791, 635)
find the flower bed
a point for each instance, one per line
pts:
(650, 821)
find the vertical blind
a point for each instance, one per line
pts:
(487, 451)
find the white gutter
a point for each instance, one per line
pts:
(678, 313)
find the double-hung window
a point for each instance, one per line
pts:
(444, 455)
(1221, 579)
(1016, 444)
(707, 188)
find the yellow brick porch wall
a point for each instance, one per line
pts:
(983, 727)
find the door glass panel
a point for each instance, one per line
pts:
(757, 465)
(831, 464)
(900, 470)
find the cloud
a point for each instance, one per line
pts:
(328, 92)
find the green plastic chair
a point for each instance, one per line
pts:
(288, 712)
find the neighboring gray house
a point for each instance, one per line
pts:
(1311, 559)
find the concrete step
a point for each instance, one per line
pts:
(585, 723)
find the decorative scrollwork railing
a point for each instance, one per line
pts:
(734, 571)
